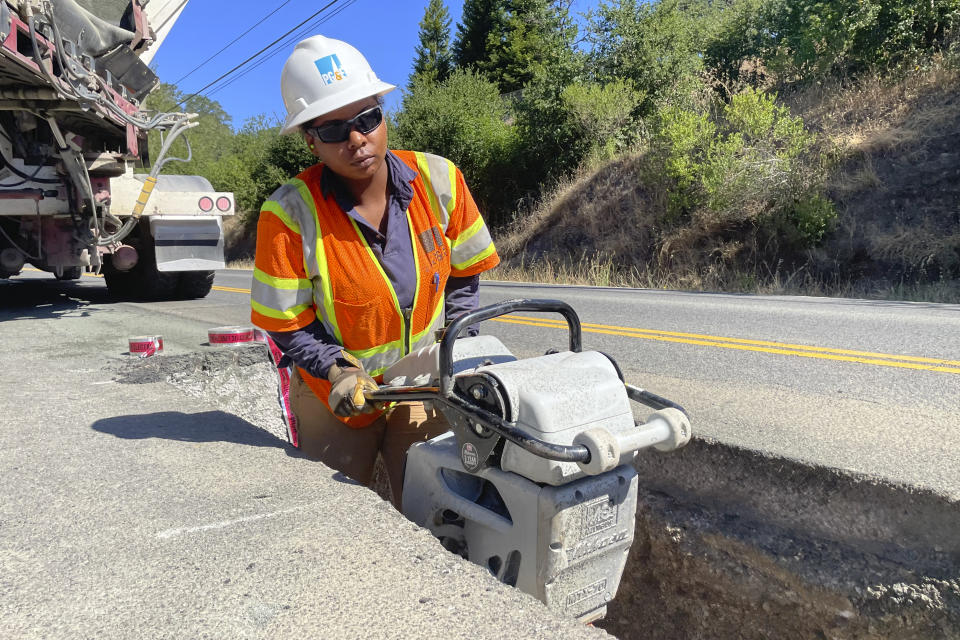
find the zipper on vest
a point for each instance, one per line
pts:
(407, 330)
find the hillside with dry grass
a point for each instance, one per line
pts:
(888, 154)
(898, 184)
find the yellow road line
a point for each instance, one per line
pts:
(742, 347)
(740, 344)
(633, 332)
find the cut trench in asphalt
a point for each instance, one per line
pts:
(728, 542)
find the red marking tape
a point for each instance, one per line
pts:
(283, 392)
(144, 346)
(230, 335)
(259, 335)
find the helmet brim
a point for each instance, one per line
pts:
(342, 99)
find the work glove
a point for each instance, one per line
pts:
(348, 384)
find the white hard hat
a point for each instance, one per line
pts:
(322, 75)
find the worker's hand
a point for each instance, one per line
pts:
(346, 395)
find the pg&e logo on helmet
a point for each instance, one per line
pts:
(330, 69)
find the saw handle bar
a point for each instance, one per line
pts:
(493, 311)
(651, 400)
(561, 453)
(596, 450)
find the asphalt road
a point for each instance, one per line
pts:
(137, 511)
(871, 387)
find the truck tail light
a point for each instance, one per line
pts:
(205, 204)
(223, 203)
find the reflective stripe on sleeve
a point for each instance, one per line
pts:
(473, 245)
(280, 294)
(436, 173)
(471, 242)
(286, 314)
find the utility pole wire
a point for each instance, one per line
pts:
(231, 43)
(297, 37)
(199, 91)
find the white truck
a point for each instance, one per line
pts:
(73, 77)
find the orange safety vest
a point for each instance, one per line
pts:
(346, 287)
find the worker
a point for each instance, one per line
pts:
(360, 259)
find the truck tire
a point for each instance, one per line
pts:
(194, 284)
(143, 281)
(69, 273)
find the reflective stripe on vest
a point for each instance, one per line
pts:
(440, 175)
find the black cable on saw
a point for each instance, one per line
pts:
(258, 53)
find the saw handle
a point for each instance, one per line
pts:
(494, 311)
(665, 430)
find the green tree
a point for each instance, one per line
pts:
(654, 46)
(480, 19)
(433, 57)
(269, 160)
(209, 141)
(535, 36)
(744, 37)
(464, 119)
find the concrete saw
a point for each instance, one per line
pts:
(535, 481)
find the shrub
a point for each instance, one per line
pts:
(743, 166)
(809, 40)
(601, 114)
(464, 119)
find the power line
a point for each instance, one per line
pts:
(232, 42)
(295, 38)
(207, 86)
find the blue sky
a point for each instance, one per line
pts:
(385, 31)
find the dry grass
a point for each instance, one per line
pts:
(768, 280)
(876, 116)
(246, 263)
(891, 148)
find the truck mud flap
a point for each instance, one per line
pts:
(187, 243)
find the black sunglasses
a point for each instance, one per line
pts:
(339, 130)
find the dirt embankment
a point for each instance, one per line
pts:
(734, 544)
(898, 185)
(891, 153)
